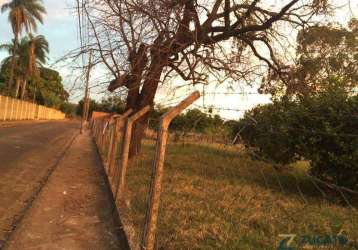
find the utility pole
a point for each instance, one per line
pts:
(85, 108)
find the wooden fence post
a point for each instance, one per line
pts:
(120, 182)
(110, 136)
(113, 147)
(95, 129)
(101, 136)
(98, 128)
(148, 236)
(105, 135)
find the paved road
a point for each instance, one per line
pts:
(28, 153)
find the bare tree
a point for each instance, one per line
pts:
(144, 43)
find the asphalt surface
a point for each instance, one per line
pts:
(29, 151)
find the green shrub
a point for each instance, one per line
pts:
(264, 129)
(322, 129)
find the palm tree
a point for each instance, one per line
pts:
(17, 57)
(30, 54)
(37, 48)
(23, 14)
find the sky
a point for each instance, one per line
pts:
(60, 29)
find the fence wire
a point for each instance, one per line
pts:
(215, 195)
(218, 197)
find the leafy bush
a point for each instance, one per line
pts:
(322, 129)
(265, 130)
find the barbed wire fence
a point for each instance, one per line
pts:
(120, 179)
(265, 197)
(196, 187)
(288, 184)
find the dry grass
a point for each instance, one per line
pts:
(218, 198)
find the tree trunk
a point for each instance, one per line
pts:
(137, 136)
(13, 63)
(17, 88)
(145, 98)
(23, 89)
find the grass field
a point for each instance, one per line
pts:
(218, 198)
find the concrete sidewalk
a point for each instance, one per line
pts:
(74, 210)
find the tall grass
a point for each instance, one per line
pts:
(218, 198)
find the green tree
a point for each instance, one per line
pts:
(69, 109)
(2, 82)
(18, 57)
(23, 14)
(30, 54)
(48, 89)
(112, 104)
(93, 106)
(215, 128)
(37, 48)
(194, 120)
(45, 85)
(324, 54)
